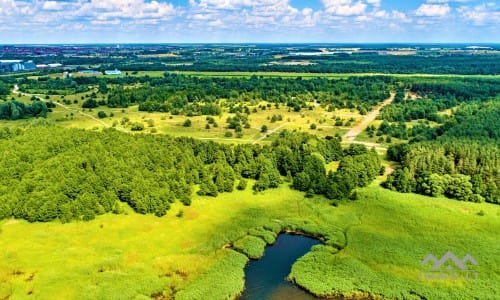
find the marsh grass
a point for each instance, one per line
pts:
(374, 244)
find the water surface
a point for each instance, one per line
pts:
(265, 279)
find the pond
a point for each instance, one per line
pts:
(265, 279)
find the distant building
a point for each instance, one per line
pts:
(90, 72)
(16, 65)
(113, 72)
(55, 65)
(29, 65)
(11, 65)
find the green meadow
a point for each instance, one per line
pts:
(373, 245)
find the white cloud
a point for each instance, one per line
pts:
(488, 13)
(374, 2)
(344, 7)
(133, 9)
(433, 10)
(54, 5)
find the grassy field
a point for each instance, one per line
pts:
(70, 115)
(135, 256)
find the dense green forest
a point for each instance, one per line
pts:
(462, 163)
(53, 173)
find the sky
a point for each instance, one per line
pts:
(250, 21)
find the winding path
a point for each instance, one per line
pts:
(106, 125)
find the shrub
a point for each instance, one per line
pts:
(101, 114)
(268, 236)
(251, 246)
(137, 127)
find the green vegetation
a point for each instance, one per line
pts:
(389, 235)
(64, 174)
(181, 94)
(223, 280)
(14, 110)
(461, 164)
(147, 215)
(251, 246)
(187, 258)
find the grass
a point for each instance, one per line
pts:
(127, 256)
(165, 123)
(134, 254)
(220, 282)
(390, 235)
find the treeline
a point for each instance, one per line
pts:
(460, 160)
(192, 95)
(458, 169)
(50, 86)
(438, 95)
(14, 110)
(53, 173)
(180, 93)
(477, 121)
(339, 63)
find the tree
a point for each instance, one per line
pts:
(242, 185)
(101, 114)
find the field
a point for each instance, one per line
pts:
(73, 116)
(133, 256)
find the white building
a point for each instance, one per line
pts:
(113, 72)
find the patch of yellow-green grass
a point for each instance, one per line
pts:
(388, 237)
(129, 255)
(125, 256)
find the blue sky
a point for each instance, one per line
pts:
(194, 21)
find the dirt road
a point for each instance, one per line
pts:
(269, 132)
(16, 91)
(351, 135)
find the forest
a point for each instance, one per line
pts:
(343, 63)
(52, 173)
(437, 95)
(462, 161)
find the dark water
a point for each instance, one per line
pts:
(265, 279)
